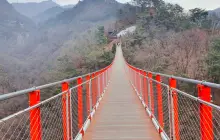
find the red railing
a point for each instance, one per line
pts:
(177, 114)
(175, 111)
(63, 116)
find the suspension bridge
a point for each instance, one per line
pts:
(119, 102)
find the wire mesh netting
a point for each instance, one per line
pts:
(154, 99)
(58, 117)
(179, 113)
(13, 105)
(83, 99)
(17, 127)
(166, 110)
(197, 119)
(84, 95)
(161, 101)
(94, 91)
(216, 123)
(188, 117)
(148, 94)
(51, 119)
(156, 95)
(144, 88)
(79, 108)
(74, 111)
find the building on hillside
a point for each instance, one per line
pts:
(152, 11)
(111, 34)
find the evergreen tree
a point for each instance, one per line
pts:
(101, 38)
(199, 16)
(214, 61)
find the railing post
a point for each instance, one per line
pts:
(69, 114)
(103, 81)
(206, 128)
(80, 103)
(135, 83)
(106, 77)
(110, 70)
(134, 77)
(145, 88)
(137, 80)
(174, 98)
(160, 101)
(88, 93)
(65, 104)
(93, 90)
(130, 73)
(98, 84)
(151, 91)
(35, 118)
(140, 82)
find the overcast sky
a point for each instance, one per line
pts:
(187, 4)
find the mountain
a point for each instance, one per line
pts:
(217, 10)
(87, 14)
(49, 13)
(88, 11)
(52, 34)
(13, 26)
(15, 29)
(7, 12)
(68, 6)
(29, 51)
(61, 31)
(32, 9)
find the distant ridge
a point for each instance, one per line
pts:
(32, 9)
(13, 26)
(88, 11)
(48, 14)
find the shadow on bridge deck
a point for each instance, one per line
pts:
(121, 115)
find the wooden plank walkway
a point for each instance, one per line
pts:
(121, 115)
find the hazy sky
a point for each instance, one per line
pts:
(187, 4)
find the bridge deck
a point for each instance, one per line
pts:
(121, 115)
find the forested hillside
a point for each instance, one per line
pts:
(32, 9)
(12, 24)
(48, 14)
(42, 46)
(174, 41)
(26, 45)
(71, 43)
(170, 40)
